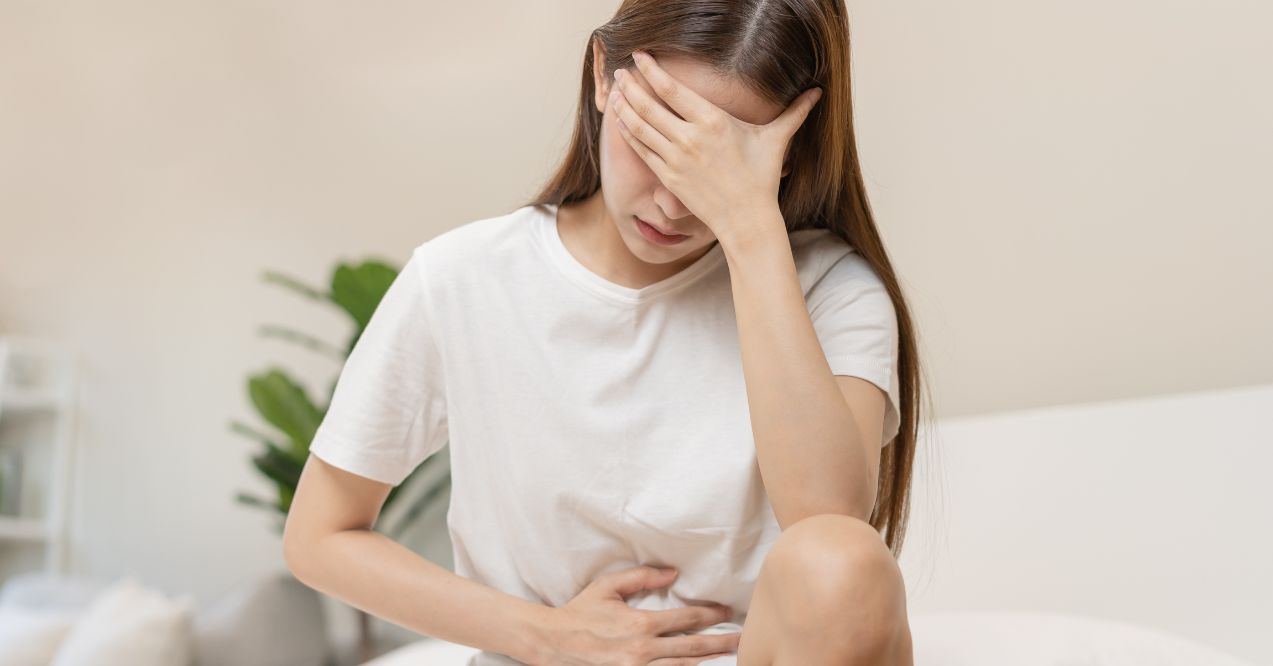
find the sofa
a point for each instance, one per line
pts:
(51, 620)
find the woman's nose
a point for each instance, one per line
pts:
(672, 206)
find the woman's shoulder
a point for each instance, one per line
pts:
(824, 261)
(820, 251)
(486, 240)
(480, 233)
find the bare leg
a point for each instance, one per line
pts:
(829, 593)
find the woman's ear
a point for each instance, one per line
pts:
(600, 84)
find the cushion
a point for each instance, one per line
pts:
(272, 620)
(129, 624)
(39, 590)
(31, 637)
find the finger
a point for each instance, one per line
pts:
(793, 116)
(631, 581)
(684, 101)
(636, 123)
(695, 645)
(688, 618)
(652, 160)
(697, 660)
(651, 109)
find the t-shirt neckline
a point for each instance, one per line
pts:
(575, 271)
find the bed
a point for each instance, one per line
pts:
(1122, 532)
(972, 638)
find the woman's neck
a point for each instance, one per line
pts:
(589, 233)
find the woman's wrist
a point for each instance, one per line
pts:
(532, 632)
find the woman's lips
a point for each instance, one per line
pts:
(662, 230)
(655, 236)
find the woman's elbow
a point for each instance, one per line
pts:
(294, 547)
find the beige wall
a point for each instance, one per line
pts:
(1076, 196)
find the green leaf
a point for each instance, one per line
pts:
(285, 494)
(265, 439)
(357, 289)
(284, 404)
(279, 467)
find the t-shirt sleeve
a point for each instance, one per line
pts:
(388, 410)
(856, 324)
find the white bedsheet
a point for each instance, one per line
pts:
(972, 638)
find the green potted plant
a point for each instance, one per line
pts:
(283, 403)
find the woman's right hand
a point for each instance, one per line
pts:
(599, 628)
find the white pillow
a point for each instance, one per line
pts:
(31, 637)
(129, 624)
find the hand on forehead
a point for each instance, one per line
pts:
(729, 94)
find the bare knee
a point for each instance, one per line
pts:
(842, 583)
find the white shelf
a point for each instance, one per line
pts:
(37, 382)
(27, 400)
(23, 529)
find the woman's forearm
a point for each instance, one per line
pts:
(809, 449)
(374, 573)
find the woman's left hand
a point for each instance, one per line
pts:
(720, 167)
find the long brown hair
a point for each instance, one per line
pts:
(778, 48)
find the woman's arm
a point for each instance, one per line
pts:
(816, 452)
(328, 544)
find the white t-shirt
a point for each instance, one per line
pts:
(593, 426)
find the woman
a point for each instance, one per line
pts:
(679, 385)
